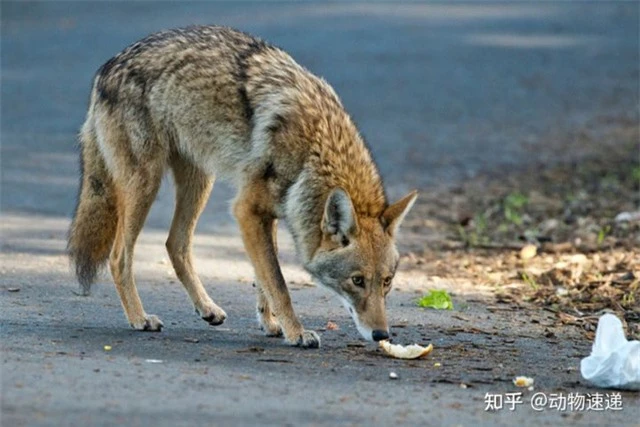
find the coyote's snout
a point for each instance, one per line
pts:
(210, 102)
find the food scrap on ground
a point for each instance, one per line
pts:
(398, 351)
(523, 381)
(332, 326)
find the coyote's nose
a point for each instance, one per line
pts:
(379, 335)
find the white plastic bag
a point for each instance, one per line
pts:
(614, 362)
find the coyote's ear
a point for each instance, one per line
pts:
(394, 214)
(339, 219)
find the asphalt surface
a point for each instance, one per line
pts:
(440, 91)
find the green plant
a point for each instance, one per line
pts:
(513, 205)
(628, 300)
(610, 180)
(604, 231)
(529, 280)
(463, 235)
(503, 227)
(477, 234)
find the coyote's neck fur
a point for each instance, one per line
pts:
(301, 115)
(339, 156)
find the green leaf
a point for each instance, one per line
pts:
(512, 206)
(440, 300)
(516, 200)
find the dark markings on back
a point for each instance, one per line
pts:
(123, 68)
(278, 123)
(106, 94)
(269, 172)
(255, 46)
(97, 187)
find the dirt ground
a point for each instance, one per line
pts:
(552, 236)
(517, 123)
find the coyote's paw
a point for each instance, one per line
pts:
(150, 323)
(83, 291)
(271, 330)
(212, 314)
(308, 339)
(268, 323)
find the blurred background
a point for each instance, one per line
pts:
(441, 92)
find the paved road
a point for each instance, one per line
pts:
(440, 92)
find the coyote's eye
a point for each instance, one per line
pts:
(387, 281)
(358, 281)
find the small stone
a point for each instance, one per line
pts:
(627, 216)
(578, 259)
(549, 225)
(627, 277)
(107, 348)
(393, 376)
(437, 365)
(463, 385)
(528, 251)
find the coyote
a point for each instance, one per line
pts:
(208, 102)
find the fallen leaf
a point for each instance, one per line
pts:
(437, 299)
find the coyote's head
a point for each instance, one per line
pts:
(358, 259)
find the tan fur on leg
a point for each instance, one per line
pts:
(266, 318)
(134, 201)
(256, 225)
(192, 191)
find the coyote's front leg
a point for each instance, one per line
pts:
(256, 224)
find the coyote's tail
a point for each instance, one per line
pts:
(93, 229)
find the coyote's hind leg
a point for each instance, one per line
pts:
(192, 191)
